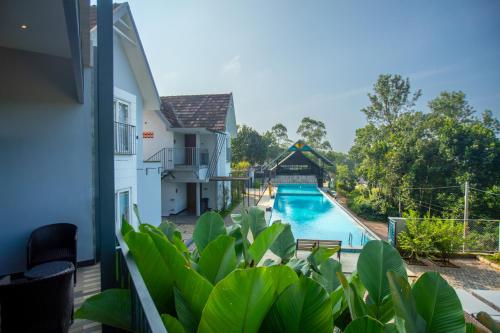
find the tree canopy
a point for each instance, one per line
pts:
(313, 133)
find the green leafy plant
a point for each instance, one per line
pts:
(431, 236)
(224, 285)
(416, 241)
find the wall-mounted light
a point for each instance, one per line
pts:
(24, 26)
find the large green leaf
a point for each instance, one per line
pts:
(111, 307)
(375, 260)
(407, 317)
(284, 246)
(156, 274)
(300, 266)
(438, 304)
(262, 243)
(357, 306)
(208, 227)
(365, 324)
(185, 313)
(125, 227)
(172, 324)
(240, 302)
(235, 232)
(194, 288)
(256, 220)
(174, 235)
(218, 259)
(320, 255)
(327, 275)
(339, 303)
(303, 307)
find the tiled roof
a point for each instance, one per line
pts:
(197, 111)
(93, 14)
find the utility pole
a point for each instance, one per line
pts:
(466, 210)
(399, 206)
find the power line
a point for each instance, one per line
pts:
(476, 189)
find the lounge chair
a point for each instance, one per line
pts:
(311, 244)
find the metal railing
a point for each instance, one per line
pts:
(145, 316)
(478, 235)
(214, 161)
(125, 139)
(188, 157)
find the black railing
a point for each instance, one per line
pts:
(145, 316)
(125, 139)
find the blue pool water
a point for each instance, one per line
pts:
(313, 216)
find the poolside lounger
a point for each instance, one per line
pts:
(311, 244)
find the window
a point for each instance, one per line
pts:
(124, 132)
(123, 207)
(121, 112)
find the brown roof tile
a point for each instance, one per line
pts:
(197, 111)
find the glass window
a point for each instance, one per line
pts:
(123, 206)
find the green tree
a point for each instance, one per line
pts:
(248, 146)
(403, 153)
(345, 179)
(392, 97)
(280, 134)
(313, 132)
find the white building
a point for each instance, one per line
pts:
(135, 94)
(191, 138)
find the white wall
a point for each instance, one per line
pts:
(163, 138)
(46, 145)
(149, 193)
(173, 198)
(127, 90)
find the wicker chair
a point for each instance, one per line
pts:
(41, 305)
(53, 242)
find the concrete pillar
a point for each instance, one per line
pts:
(198, 199)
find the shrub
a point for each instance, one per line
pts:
(429, 236)
(447, 237)
(417, 239)
(365, 207)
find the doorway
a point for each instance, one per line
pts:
(190, 148)
(191, 197)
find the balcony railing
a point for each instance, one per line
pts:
(145, 316)
(125, 139)
(188, 157)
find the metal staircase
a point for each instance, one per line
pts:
(214, 160)
(166, 157)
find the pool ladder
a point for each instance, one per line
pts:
(350, 239)
(364, 239)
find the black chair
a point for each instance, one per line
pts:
(53, 242)
(41, 305)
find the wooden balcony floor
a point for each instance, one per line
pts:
(88, 284)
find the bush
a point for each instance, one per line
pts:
(365, 207)
(447, 236)
(416, 240)
(430, 236)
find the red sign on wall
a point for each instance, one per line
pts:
(148, 135)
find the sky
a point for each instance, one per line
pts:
(284, 59)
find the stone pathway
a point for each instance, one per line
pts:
(470, 274)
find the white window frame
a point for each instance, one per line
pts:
(117, 207)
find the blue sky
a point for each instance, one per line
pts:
(285, 60)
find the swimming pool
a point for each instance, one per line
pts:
(312, 215)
